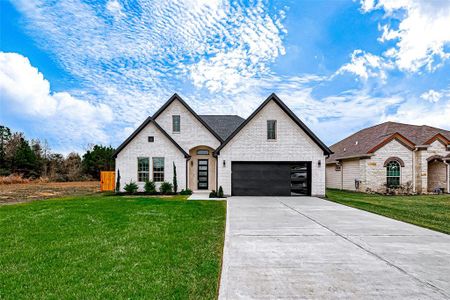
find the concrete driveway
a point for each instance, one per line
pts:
(309, 248)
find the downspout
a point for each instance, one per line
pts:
(216, 155)
(217, 173)
(447, 164)
(187, 175)
(414, 169)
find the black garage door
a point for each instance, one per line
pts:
(270, 178)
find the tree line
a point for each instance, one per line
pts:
(34, 159)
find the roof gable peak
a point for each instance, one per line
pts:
(277, 100)
(174, 97)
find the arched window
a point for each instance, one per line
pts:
(393, 173)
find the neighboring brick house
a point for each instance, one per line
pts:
(391, 154)
(271, 152)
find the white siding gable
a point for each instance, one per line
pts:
(126, 160)
(291, 144)
(192, 132)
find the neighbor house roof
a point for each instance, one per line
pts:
(286, 109)
(140, 128)
(368, 140)
(223, 125)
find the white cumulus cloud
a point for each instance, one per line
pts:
(366, 65)
(420, 35)
(431, 96)
(25, 93)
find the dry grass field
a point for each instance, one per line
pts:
(25, 192)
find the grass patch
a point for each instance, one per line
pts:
(97, 247)
(430, 211)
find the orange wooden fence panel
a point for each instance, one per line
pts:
(107, 180)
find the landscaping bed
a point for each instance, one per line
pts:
(103, 247)
(430, 211)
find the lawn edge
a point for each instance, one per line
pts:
(390, 217)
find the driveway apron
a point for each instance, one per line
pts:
(310, 248)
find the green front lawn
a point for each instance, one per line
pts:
(431, 211)
(103, 247)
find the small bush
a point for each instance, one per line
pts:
(131, 187)
(186, 192)
(13, 178)
(165, 188)
(150, 187)
(220, 192)
(213, 194)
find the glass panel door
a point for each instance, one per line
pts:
(299, 179)
(202, 177)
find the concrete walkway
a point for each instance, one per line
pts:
(309, 248)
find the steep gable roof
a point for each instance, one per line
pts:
(140, 128)
(286, 109)
(176, 97)
(370, 139)
(223, 125)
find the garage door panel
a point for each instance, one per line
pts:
(263, 178)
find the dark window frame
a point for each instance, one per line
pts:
(143, 171)
(176, 123)
(151, 139)
(158, 173)
(271, 131)
(202, 152)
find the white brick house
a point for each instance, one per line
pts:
(391, 154)
(271, 152)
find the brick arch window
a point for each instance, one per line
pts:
(393, 173)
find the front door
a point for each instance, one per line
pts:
(202, 178)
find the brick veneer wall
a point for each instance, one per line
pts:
(292, 144)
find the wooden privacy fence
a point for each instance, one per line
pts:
(107, 180)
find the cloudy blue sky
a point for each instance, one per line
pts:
(79, 72)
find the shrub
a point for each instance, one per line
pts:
(165, 188)
(213, 194)
(220, 192)
(131, 187)
(118, 181)
(175, 182)
(186, 192)
(150, 187)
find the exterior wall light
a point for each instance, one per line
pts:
(224, 163)
(319, 163)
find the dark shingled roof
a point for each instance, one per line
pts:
(223, 125)
(363, 141)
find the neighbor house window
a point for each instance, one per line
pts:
(176, 123)
(158, 169)
(271, 129)
(393, 174)
(143, 169)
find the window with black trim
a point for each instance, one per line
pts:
(202, 152)
(151, 139)
(143, 169)
(176, 123)
(393, 174)
(271, 129)
(158, 169)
